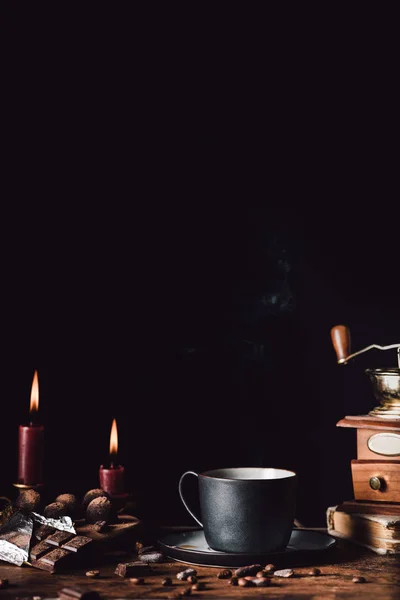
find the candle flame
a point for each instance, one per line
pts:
(35, 394)
(114, 438)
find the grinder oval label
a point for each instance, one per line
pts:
(387, 444)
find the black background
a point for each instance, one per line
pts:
(191, 200)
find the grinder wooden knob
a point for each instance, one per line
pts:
(340, 335)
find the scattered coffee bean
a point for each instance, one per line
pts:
(269, 568)
(224, 574)
(284, 573)
(183, 575)
(137, 580)
(314, 571)
(192, 579)
(261, 581)
(244, 582)
(249, 577)
(3, 584)
(233, 581)
(167, 582)
(186, 592)
(359, 579)
(197, 587)
(261, 574)
(248, 570)
(92, 573)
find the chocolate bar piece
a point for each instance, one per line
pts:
(132, 569)
(53, 560)
(77, 543)
(77, 593)
(43, 532)
(59, 538)
(60, 549)
(40, 549)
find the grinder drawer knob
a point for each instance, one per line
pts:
(376, 483)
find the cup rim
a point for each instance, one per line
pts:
(208, 474)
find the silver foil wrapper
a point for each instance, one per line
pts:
(15, 539)
(16, 535)
(63, 523)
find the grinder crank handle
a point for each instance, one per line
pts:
(340, 335)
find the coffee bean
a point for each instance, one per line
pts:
(359, 579)
(261, 581)
(137, 580)
(269, 568)
(192, 579)
(314, 571)
(3, 584)
(92, 573)
(224, 574)
(284, 573)
(197, 587)
(186, 592)
(183, 575)
(233, 581)
(167, 582)
(248, 570)
(261, 574)
(244, 582)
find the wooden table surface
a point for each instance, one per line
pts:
(347, 560)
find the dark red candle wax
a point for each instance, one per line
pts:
(112, 477)
(31, 443)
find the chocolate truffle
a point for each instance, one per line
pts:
(28, 500)
(99, 509)
(70, 501)
(55, 510)
(91, 495)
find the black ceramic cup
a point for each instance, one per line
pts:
(246, 509)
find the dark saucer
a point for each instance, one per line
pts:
(305, 547)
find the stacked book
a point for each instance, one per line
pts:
(372, 525)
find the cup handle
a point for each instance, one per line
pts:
(182, 498)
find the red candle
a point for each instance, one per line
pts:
(31, 443)
(112, 478)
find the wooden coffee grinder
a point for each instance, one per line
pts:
(376, 471)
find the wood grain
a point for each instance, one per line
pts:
(381, 572)
(387, 471)
(363, 452)
(368, 422)
(369, 508)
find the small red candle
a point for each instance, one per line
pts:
(112, 478)
(31, 443)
